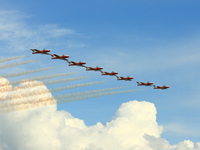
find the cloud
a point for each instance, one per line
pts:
(163, 144)
(181, 129)
(134, 126)
(17, 35)
(183, 54)
(53, 31)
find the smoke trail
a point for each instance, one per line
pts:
(87, 92)
(17, 64)
(75, 86)
(52, 76)
(30, 85)
(36, 84)
(18, 106)
(11, 58)
(24, 94)
(45, 77)
(27, 72)
(64, 80)
(69, 99)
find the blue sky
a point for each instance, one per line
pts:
(155, 41)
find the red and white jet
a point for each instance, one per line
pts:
(80, 63)
(145, 84)
(125, 78)
(109, 73)
(62, 57)
(161, 87)
(44, 51)
(94, 69)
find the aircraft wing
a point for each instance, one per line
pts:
(35, 50)
(56, 55)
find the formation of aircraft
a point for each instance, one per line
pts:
(82, 64)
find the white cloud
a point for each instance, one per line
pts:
(179, 54)
(53, 31)
(17, 35)
(133, 128)
(181, 129)
(163, 144)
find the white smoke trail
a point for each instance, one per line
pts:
(69, 99)
(87, 92)
(11, 58)
(54, 81)
(64, 80)
(25, 105)
(23, 94)
(45, 77)
(53, 76)
(18, 106)
(75, 86)
(31, 84)
(17, 64)
(27, 72)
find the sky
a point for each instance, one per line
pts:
(155, 41)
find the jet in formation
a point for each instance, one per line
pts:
(44, 51)
(94, 69)
(109, 73)
(160, 87)
(145, 84)
(80, 63)
(62, 57)
(125, 78)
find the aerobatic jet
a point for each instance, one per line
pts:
(94, 69)
(125, 78)
(80, 63)
(145, 84)
(44, 51)
(160, 87)
(62, 57)
(109, 73)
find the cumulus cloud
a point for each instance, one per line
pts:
(134, 126)
(163, 144)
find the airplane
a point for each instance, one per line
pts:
(94, 69)
(145, 84)
(125, 78)
(80, 63)
(62, 57)
(44, 51)
(160, 87)
(109, 73)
